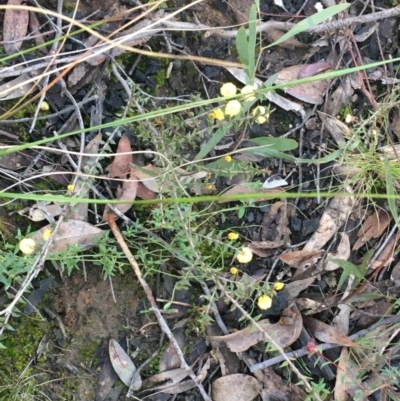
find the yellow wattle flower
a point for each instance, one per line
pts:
(228, 89)
(264, 302)
(245, 255)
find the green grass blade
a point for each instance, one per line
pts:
(390, 191)
(281, 144)
(214, 140)
(311, 21)
(242, 46)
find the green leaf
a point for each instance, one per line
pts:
(390, 191)
(270, 81)
(348, 268)
(214, 140)
(281, 144)
(242, 46)
(311, 21)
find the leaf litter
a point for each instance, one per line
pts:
(328, 243)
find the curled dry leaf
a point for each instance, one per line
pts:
(71, 232)
(373, 227)
(326, 333)
(123, 365)
(284, 333)
(336, 128)
(236, 387)
(334, 216)
(312, 92)
(343, 252)
(264, 248)
(15, 27)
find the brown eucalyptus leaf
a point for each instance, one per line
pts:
(326, 333)
(236, 387)
(373, 227)
(312, 92)
(127, 192)
(15, 27)
(294, 288)
(71, 232)
(284, 333)
(121, 164)
(264, 248)
(299, 259)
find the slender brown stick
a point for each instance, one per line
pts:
(163, 324)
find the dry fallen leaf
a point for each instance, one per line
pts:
(236, 387)
(71, 232)
(312, 92)
(300, 259)
(121, 164)
(291, 43)
(334, 216)
(336, 128)
(264, 248)
(16, 88)
(15, 27)
(373, 227)
(34, 27)
(149, 176)
(326, 333)
(284, 333)
(128, 192)
(123, 365)
(344, 381)
(296, 287)
(343, 252)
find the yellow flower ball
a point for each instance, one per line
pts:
(234, 270)
(27, 246)
(228, 158)
(248, 89)
(217, 114)
(44, 106)
(233, 108)
(260, 114)
(47, 234)
(70, 188)
(264, 302)
(233, 236)
(228, 89)
(261, 120)
(210, 186)
(279, 286)
(245, 255)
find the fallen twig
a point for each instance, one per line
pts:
(163, 324)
